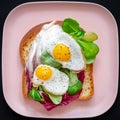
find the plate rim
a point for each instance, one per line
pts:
(58, 2)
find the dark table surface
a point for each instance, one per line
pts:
(5, 7)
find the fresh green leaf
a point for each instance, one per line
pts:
(70, 26)
(75, 88)
(80, 34)
(84, 39)
(56, 99)
(90, 49)
(90, 36)
(73, 79)
(90, 60)
(66, 71)
(47, 59)
(34, 94)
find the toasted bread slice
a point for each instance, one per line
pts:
(88, 84)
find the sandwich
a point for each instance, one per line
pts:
(58, 58)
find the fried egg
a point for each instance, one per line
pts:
(62, 47)
(51, 79)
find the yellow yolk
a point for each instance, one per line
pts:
(62, 52)
(43, 72)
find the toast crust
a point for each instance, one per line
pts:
(24, 87)
(26, 42)
(88, 84)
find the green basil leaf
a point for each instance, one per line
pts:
(47, 59)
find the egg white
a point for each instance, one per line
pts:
(51, 35)
(57, 84)
(55, 35)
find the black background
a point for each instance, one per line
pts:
(5, 112)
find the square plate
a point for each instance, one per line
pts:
(92, 17)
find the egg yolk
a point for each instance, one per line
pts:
(61, 52)
(43, 72)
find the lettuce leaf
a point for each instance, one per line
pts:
(34, 94)
(85, 41)
(75, 88)
(56, 99)
(70, 26)
(47, 59)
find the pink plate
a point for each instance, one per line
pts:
(92, 17)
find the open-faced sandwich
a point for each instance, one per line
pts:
(58, 59)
